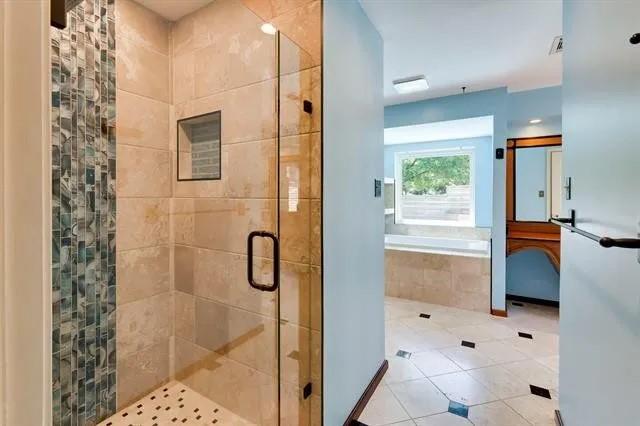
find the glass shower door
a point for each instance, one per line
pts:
(226, 236)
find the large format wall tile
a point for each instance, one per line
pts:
(143, 71)
(143, 172)
(141, 121)
(237, 334)
(143, 273)
(248, 113)
(142, 372)
(144, 323)
(83, 147)
(142, 26)
(142, 222)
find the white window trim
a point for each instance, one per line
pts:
(400, 156)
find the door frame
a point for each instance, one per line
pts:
(25, 219)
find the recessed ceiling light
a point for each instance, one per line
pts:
(268, 28)
(535, 121)
(411, 84)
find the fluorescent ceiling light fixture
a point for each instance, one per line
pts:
(411, 84)
(535, 121)
(268, 28)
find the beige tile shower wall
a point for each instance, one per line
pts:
(456, 281)
(225, 330)
(144, 305)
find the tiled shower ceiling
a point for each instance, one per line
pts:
(83, 216)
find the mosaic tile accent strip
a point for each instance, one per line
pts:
(83, 156)
(174, 403)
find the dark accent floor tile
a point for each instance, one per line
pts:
(458, 409)
(425, 316)
(403, 354)
(517, 304)
(525, 335)
(538, 391)
(468, 344)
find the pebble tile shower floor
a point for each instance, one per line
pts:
(174, 404)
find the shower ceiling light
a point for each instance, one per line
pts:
(535, 121)
(268, 28)
(411, 84)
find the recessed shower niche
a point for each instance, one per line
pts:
(199, 147)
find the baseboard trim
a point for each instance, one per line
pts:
(559, 421)
(499, 312)
(533, 300)
(368, 392)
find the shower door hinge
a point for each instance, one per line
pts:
(306, 392)
(307, 107)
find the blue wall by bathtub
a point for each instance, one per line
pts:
(477, 104)
(530, 273)
(483, 168)
(511, 114)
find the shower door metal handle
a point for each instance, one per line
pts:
(276, 261)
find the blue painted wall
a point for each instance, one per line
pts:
(545, 104)
(477, 104)
(353, 228)
(511, 114)
(530, 273)
(600, 291)
(483, 168)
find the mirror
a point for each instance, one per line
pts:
(199, 147)
(538, 183)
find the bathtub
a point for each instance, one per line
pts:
(444, 271)
(438, 245)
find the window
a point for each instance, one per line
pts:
(435, 187)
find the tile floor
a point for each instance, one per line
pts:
(174, 403)
(488, 384)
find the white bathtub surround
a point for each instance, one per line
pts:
(449, 272)
(438, 245)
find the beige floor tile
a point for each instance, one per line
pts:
(433, 363)
(533, 373)
(467, 358)
(542, 344)
(495, 414)
(443, 419)
(551, 362)
(483, 332)
(436, 339)
(405, 423)
(420, 397)
(500, 382)
(401, 370)
(463, 388)
(383, 408)
(418, 323)
(500, 352)
(537, 410)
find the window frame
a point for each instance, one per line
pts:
(429, 153)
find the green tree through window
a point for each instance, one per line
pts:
(432, 175)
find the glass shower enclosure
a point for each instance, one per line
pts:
(214, 314)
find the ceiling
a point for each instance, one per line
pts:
(173, 10)
(480, 44)
(439, 131)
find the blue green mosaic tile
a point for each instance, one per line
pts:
(83, 162)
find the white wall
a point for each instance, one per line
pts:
(600, 288)
(25, 202)
(353, 220)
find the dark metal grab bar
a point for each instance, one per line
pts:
(569, 223)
